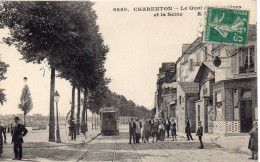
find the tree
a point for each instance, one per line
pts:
(55, 31)
(26, 104)
(3, 70)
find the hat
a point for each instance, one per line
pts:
(16, 118)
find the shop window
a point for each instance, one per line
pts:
(218, 104)
(235, 104)
(246, 60)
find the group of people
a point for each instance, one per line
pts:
(18, 131)
(159, 129)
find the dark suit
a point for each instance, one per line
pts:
(200, 134)
(18, 133)
(187, 130)
(132, 127)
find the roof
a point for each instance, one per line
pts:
(210, 65)
(201, 73)
(193, 47)
(189, 87)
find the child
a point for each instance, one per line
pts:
(173, 129)
(200, 134)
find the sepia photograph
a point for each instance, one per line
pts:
(148, 81)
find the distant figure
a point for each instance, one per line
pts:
(253, 141)
(146, 130)
(187, 129)
(173, 130)
(11, 128)
(5, 128)
(132, 127)
(2, 140)
(200, 134)
(84, 129)
(8, 129)
(19, 131)
(154, 132)
(162, 130)
(72, 129)
(168, 126)
(138, 130)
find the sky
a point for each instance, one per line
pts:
(139, 43)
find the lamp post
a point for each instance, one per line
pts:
(56, 99)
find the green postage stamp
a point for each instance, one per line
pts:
(226, 26)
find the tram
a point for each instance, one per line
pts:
(109, 121)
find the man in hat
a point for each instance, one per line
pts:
(187, 129)
(200, 134)
(19, 131)
(132, 127)
(72, 129)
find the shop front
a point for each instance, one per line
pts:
(235, 105)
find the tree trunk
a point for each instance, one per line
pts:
(51, 118)
(78, 112)
(84, 110)
(72, 104)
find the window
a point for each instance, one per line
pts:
(246, 60)
(235, 104)
(218, 104)
(246, 93)
(179, 99)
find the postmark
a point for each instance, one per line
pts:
(226, 26)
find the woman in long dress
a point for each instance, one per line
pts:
(147, 131)
(2, 138)
(253, 141)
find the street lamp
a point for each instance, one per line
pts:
(56, 99)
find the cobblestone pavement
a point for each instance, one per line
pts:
(116, 148)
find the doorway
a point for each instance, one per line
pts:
(246, 115)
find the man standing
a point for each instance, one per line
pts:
(200, 134)
(187, 129)
(72, 129)
(168, 126)
(138, 130)
(19, 131)
(132, 127)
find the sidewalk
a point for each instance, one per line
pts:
(37, 148)
(237, 144)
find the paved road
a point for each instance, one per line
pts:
(116, 148)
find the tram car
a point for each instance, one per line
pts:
(109, 117)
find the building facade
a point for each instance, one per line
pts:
(223, 97)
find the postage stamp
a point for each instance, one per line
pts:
(226, 26)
